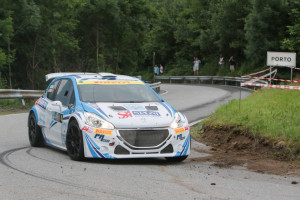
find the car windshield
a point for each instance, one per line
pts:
(116, 93)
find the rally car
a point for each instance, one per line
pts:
(103, 115)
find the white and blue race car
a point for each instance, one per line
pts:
(104, 115)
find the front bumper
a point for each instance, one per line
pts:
(136, 143)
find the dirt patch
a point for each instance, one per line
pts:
(231, 146)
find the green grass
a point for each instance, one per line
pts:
(10, 106)
(271, 113)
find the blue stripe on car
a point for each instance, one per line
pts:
(35, 114)
(99, 109)
(168, 109)
(91, 148)
(78, 115)
(188, 145)
(185, 145)
(53, 124)
(94, 146)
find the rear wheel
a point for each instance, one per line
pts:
(74, 141)
(34, 132)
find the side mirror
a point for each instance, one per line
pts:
(71, 106)
(57, 103)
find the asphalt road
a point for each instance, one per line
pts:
(45, 173)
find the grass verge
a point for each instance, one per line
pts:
(268, 114)
(12, 106)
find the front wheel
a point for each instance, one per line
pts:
(34, 132)
(74, 141)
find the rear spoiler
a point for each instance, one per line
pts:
(56, 75)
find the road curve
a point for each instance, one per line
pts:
(45, 173)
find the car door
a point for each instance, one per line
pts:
(60, 112)
(50, 98)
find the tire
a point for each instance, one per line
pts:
(34, 132)
(74, 142)
(176, 159)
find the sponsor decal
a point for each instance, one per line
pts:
(42, 103)
(124, 115)
(58, 117)
(103, 131)
(179, 130)
(146, 113)
(88, 129)
(37, 101)
(101, 138)
(180, 137)
(186, 128)
(110, 82)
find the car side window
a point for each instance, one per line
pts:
(52, 90)
(72, 99)
(64, 92)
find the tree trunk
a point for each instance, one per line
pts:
(33, 64)
(97, 47)
(9, 66)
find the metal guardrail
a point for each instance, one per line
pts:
(155, 86)
(20, 94)
(202, 79)
(27, 94)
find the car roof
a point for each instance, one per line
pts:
(81, 76)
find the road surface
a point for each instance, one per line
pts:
(45, 173)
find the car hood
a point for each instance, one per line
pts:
(134, 115)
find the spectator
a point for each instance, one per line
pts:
(161, 69)
(221, 61)
(156, 70)
(196, 65)
(231, 64)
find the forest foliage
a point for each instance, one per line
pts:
(120, 36)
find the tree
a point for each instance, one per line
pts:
(61, 48)
(292, 41)
(227, 24)
(99, 17)
(6, 34)
(28, 22)
(265, 28)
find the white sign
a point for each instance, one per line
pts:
(284, 59)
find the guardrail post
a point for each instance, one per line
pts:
(23, 102)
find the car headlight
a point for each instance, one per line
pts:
(178, 121)
(96, 121)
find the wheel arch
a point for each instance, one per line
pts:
(72, 119)
(32, 110)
